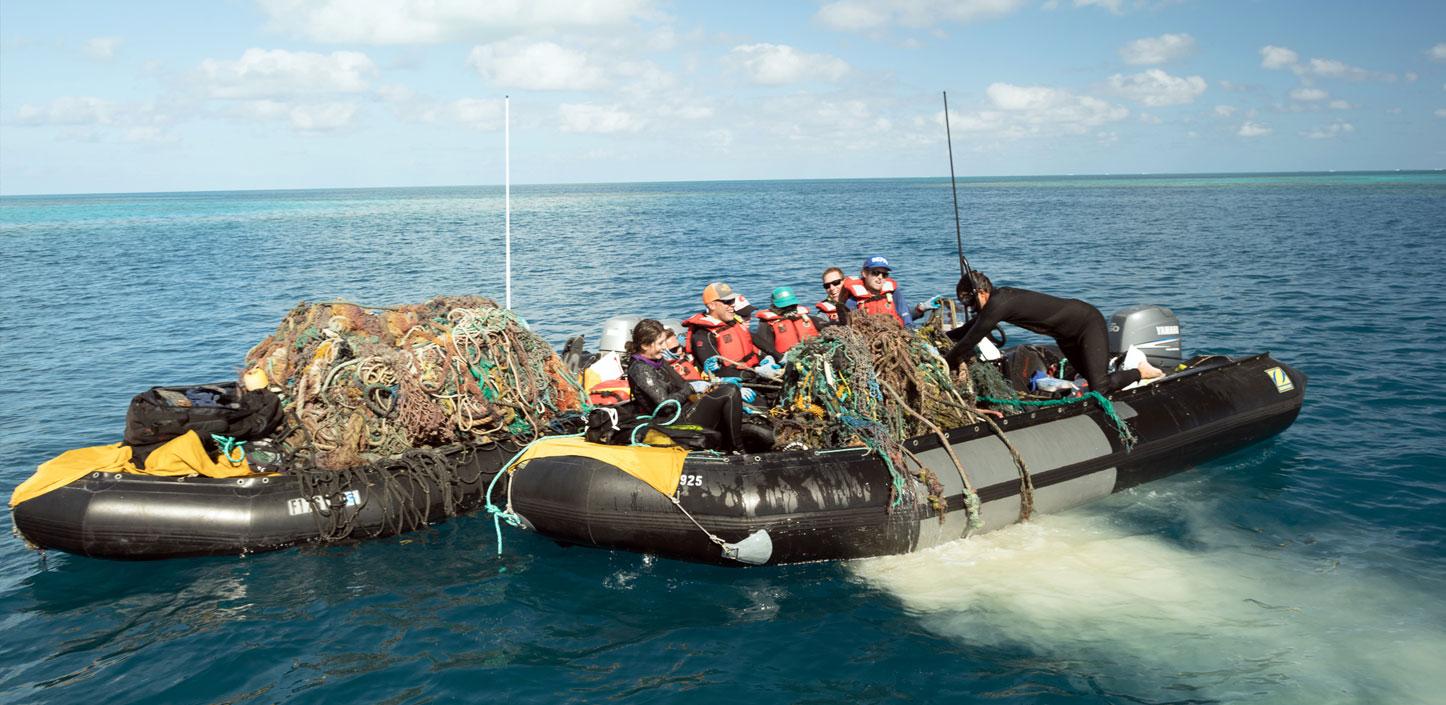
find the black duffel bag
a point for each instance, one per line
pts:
(160, 414)
(619, 425)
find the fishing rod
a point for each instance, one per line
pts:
(965, 282)
(954, 185)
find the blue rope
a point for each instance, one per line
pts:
(228, 444)
(678, 413)
(498, 513)
(1127, 436)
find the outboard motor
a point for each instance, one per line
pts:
(617, 331)
(1154, 330)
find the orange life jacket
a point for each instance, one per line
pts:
(732, 339)
(788, 329)
(828, 308)
(870, 302)
(610, 392)
(686, 369)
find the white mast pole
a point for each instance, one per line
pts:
(507, 189)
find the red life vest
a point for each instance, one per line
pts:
(686, 369)
(828, 308)
(869, 302)
(788, 329)
(732, 339)
(610, 392)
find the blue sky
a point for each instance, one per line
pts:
(161, 96)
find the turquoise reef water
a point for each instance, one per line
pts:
(1308, 569)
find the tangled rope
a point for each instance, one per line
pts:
(338, 497)
(369, 383)
(871, 383)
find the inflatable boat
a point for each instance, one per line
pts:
(815, 505)
(129, 516)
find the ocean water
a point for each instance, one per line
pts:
(1307, 569)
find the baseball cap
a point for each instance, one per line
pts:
(718, 291)
(877, 262)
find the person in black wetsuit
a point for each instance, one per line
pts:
(1077, 327)
(654, 381)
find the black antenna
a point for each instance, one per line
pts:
(964, 268)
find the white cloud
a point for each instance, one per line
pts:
(1225, 110)
(150, 135)
(310, 117)
(1021, 111)
(102, 48)
(275, 73)
(70, 110)
(537, 66)
(476, 113)
(1441, 112)
(1149, 119)
(1308, 94)
(1438, 52)
(1339, 104)
(1156, 88)
(1274, 57)
(1331, 131)
(1114, 6)
(1158, 50)
(1331, 68)
(1253, 129)
(817, 124)
(587, 117)
(780, 64)
(1411, 76)
(866, 15)
(91, 119)
(435, 21)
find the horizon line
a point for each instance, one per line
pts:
(1145, 174)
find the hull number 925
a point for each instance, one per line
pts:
(690, 481)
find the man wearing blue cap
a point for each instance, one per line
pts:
(784, 325)
(875, 292)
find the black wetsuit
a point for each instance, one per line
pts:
(720, 409)
(1077, 327)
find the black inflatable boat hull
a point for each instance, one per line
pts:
(126, 516)
(836, 504)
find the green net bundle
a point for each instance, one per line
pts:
(853, 382)
(363, 383)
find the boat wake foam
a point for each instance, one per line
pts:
(1220, 617)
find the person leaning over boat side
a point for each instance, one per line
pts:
(654, 382)
(875, 292)
(784, 325)
(1076, 326)
(719, 337)
(833, 279)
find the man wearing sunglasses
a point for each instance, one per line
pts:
(833, 279)
(719, 336)
(874, 292)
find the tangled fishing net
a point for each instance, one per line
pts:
(871, 383)
(365, 383)
(871, 377)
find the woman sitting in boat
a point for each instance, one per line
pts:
(655, 383)
(1076, 326)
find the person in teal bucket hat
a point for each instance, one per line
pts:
(784, 325)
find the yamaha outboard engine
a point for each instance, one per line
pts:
(1154, 330)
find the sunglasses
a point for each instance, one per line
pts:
(877, 272)
(832, 284)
